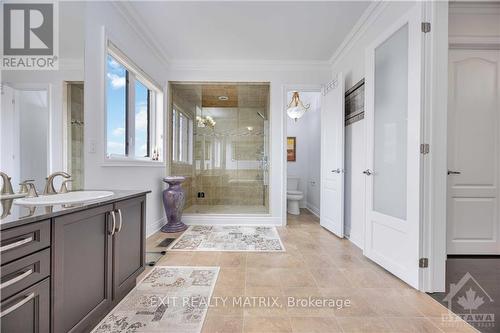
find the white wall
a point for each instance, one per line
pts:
(351, 62)
(307, 164)
(102, 16)
(279, 77)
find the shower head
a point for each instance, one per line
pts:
(260, 114)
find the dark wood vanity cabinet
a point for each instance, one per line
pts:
(27, 311)
(128, 245)
(81, 271)
(97, 255)
(65, 272)
(24, 278)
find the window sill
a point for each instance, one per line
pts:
(132, 163)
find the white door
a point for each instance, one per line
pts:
(332, 157)
(393, 116)
(473, 224)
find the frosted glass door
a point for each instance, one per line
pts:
(392, 118)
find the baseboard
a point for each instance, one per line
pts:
(313, 209)
(154, 227)
(200, 219)
(356, 242)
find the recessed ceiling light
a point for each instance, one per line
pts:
(223, 98)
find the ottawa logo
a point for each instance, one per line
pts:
(465, 299)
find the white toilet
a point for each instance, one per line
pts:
(293, 195)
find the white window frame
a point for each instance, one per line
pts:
(177, 112)
(156, 114)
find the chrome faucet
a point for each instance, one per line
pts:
(6, 184)
(28, 188)
(64, 187)
(49, 185)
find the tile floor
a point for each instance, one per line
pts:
(486, 271)
(316, 265)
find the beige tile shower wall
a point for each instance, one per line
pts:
(185, 170)
(76, 123)
(230, 187)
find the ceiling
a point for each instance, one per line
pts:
(247, 31)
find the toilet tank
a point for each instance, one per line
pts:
(292, 183)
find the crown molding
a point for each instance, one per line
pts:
(250, 65)
(128, 13)
(367, 18)
(369, 15)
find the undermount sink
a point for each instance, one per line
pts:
(63, 198)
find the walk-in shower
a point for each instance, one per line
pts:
(219, 142)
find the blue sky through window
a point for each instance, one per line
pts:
(116, 107)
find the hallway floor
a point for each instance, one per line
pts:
(485, 270)
(319, 266)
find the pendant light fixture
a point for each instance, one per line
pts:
(296, 109)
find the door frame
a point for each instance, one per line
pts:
(285, 89)
(435, 133)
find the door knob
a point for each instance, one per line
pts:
(451, 172)
(367, 172)
(337, 170)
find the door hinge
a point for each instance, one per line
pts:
(424, 148)
(426, 27)
(423, 262)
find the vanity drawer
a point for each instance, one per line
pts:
(27, 311)
(21, 241)
(22, 273)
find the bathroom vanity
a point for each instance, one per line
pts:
(63, 268)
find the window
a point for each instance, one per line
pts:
(182, 133)
(116, 107)
(134, 105)
(142, 111)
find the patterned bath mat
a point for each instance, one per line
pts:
(168, 299)
(229, 238)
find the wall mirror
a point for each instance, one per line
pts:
(42, 111)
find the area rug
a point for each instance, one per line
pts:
(168, 299)
(229, 238)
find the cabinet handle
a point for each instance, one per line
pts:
(113, 217)
(25, 300)
(16, 244)
(121, 220)
(16, 279)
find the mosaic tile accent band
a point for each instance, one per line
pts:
(229, 238)
(168, 299)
